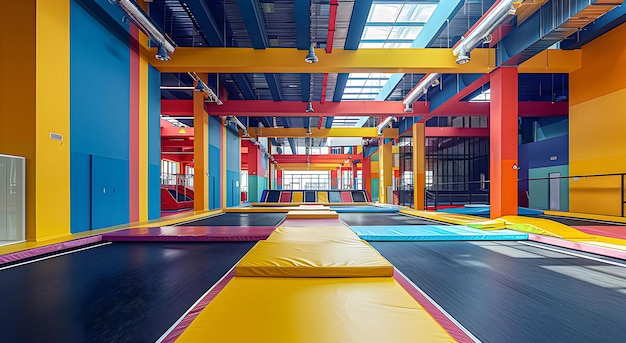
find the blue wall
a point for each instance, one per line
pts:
(215, 162)
(99, 123)
(233, 168)
(154, 143)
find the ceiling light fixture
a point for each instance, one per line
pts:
(311, 57)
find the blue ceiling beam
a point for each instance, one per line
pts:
(302, 11)
(340, 85)
(597, 28)
(274, 83)
(329, 122)
(292, 142)
(360, 11)
(305, 87)
(445, 11)
(244, 86)
(452, 84)
(253, 18)
(538, 32)
(208, 25)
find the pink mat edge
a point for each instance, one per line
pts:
(453, 329)
(578, 246)
(34, 252)
(201, 305)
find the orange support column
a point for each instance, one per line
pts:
(200, 152)
(385, 169)
(419, 165)
(503, 142)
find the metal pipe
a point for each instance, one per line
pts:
(144, 22)
(501, 12)
(429, 80)
(385, 122)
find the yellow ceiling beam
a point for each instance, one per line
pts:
(283, 60)
(322, 133)
(553, 61)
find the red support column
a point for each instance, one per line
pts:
(503, 163)
(333, 179)
(366, 167)
(354, 172)
(279, 179)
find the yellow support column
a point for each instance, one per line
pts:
(419, 165)
(385, 171)
(35, 108)
(200, 152)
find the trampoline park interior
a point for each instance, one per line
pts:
(312, 171)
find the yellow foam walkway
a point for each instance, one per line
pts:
(544, 227)
(313, 259)
(318, 234)
(287, 310)
(458, 219)
(311, 214)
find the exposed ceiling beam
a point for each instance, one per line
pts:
(260, 108)
(323, 133)
(208, 25)
(274, 60)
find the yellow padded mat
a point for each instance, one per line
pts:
(543, 227)
(322, 197)
(288, 310)
(303, 259)
(297, 197)
(459, 219)
(331, 234)
(311, 214)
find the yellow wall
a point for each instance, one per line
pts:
(34, 101)
(597, 121)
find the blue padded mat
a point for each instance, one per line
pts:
(364, 209)
(434, 233)
(334, 196)
(484, 211)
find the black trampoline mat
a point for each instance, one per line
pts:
(240, 219)
(390, 219)
(510, 292)
(122, 292)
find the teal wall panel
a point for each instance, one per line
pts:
(154, 143)
(374, 189)
(538, 190)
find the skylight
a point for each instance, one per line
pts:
(388, 25)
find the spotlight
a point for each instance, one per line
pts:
(162, 54)
(463, 57)
(311, 57)
(310, 108)
(308, 131)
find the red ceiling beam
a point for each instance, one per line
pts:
(332, 158)
(174, 132)
(171, 143)
(177, 107)
(260, 108)
(256, 108)
(456, 132)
